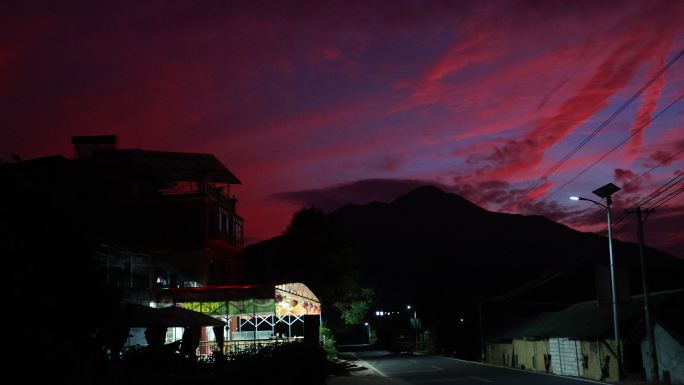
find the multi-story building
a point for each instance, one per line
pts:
(172, 220)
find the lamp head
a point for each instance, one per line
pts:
(574, 198)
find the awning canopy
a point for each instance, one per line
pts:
(144, 316)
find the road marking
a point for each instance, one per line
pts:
(370, 366)
(402, 372)
(414, 361)
(525, 371)
(436, 367)
(480, 379)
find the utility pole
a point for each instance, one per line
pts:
(482, 341)
(644, 281)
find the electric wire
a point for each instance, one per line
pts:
(545, 279)
(663, 162)
(654, 194)
(598, 129)
(665, 199)
(662, 189)
(614, 148)
(653, 168)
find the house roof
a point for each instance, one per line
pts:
(588, 319)
(170, 166)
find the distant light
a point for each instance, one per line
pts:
(461, 320)
(408, 307)
(574, 198)
(153, 304)
(377, 313)
(365, 323)
(382, 313)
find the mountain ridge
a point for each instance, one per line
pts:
(443, 244)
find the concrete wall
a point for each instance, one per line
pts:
(500, 354)
(541, 348)
(530, 356)
(518, 353)
(523, 354)
(670, 356)
(596, 352)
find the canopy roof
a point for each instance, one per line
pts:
(298, 289)
(216, 293)
(144, 316)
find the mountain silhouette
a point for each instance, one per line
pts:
(455, 262)
(430, 246)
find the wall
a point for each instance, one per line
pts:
(670, 356)
(530, 356)
(523, 354)
(499, 354)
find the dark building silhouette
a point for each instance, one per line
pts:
(174, 221)
(153, 218)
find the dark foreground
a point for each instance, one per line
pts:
(285, 364)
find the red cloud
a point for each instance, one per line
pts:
(625, 177)
(611, 76)
(645, 113)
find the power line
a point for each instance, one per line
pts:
(659, 203)
(586, 140)
(664, 161)
(654, 194)
(664, 200)
(653, 168)
(660, 190)
(539, 281)
(615, 148)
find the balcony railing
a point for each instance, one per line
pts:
(189, 187)
(230, 227)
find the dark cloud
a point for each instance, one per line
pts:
(485, 193)
(628, 180)
(387, 163)
(667, 155)
(358, 192)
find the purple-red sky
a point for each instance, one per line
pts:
(331, 102)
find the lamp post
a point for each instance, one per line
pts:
(369, 333)
(415, 323)
(607, 192)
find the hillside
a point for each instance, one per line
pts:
(444, 254)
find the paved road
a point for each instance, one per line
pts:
(428, 370)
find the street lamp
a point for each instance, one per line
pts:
(369, 333)
(415, 323)
(607, 192)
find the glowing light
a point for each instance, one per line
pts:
(574, 198)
